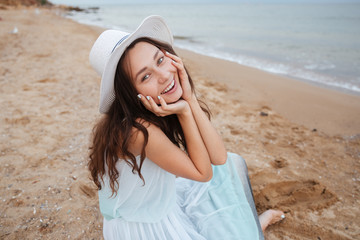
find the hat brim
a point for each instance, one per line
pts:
(153, 27)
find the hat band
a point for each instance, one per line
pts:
(120, 41)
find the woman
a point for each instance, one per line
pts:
(160, 166)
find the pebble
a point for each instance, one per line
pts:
(14, 31)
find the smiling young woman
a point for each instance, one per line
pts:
(161, 168)
(153, 77)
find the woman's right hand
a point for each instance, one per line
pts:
(183, 76)
(180, 107)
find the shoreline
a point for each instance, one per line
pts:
(332, 110)
(316, 107)
(311, 72)
(283, 75)
(49, 101)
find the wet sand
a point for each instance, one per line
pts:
(49, 104)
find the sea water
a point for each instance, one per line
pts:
(318, 43)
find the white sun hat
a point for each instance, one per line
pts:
(111, 44)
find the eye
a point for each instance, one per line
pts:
(160, 60)
(145, 77)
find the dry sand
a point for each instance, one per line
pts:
(49, 101)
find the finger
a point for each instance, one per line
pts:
(145, 101)
(176, 61)
(180, 67)
(162, 103)
(173, 57)
(169, 108)
(154, 107)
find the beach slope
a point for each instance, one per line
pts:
(49, 104)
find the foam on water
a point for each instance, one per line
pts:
(317, 43)
(280, 68)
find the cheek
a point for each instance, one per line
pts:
(169, 65)
(180, 92)
(147, 90)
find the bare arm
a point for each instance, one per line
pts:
(213, 141)
(211, 138)
(196, 165)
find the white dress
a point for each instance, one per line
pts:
(167, 207)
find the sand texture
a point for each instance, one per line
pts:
(301, 158)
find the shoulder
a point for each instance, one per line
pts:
(137, 138)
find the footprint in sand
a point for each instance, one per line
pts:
(295, 195)
(82, 190)
(87, 191)
(22, 120)
(47, 80)
(235, 132)
(221, 87)
(279, 162)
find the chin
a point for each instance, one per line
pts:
(172, 100)
(175, 97)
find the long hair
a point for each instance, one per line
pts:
(112, 134)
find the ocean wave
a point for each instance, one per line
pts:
(320, 66)
(307, 74)
(312, 60)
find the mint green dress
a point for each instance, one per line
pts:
(167, 207)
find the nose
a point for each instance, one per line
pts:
(163, 75)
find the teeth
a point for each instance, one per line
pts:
(169, 87)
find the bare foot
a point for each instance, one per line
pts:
(270, 217)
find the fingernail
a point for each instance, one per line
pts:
(159, 97)
(139, 96)
(173, 61)
(148, 97)
(283, 216)
(166, 52)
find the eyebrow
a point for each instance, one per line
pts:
(144, 68)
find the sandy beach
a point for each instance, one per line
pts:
(301, 142)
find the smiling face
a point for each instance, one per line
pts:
(152, 73)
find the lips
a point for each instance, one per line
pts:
(169, 87)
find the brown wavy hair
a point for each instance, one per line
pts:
(112, 133)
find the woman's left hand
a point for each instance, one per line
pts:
(184, 79)
(180, 107)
